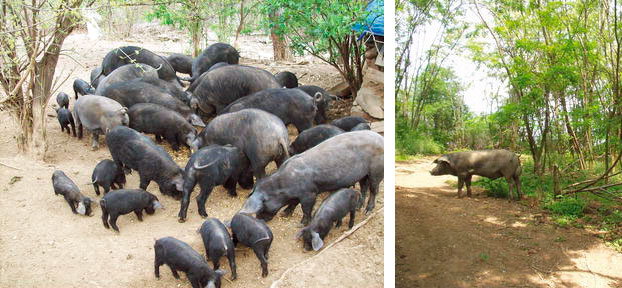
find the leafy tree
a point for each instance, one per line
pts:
(31, 37)
(324, 30)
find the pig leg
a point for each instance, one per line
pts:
(175, 274)
(231, 257)
(71, 205)
(307, 204)
(95, 144)
(460, 184)
(290, 208)
(96, 188)
(157, 263)
(510, 188)
(73, 125)
(189, 184)
(230, 185)
(105, 220)
(106, 188)
(113, 222)
(364, 183)
(139, 214)
(259, 250)
(467, 181)
(338, 224)
(373, 190)
(144, 182)
(170, 138)
(203, 197)
(352, 214)
(517, 182)
(80, 133)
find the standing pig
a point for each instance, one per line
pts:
(260, 135)
(105, 175)
(65, 119)
(81, 87)
(181, 63)
(336, 163)
(287, 79)
(322, 106)
(253, 233)
(218, 88)
(132, 54)
(311, 137)
(136, 91)
(492, 164)
(126, 73)
(332, 210)
(125, 201)
(78, 203)
(132, 150)
(212, 166)
(218, 243)
(291, 105)
(161, 121)
(217, 52)
(179, 256)
(63, 100)
(99, 114)
(348, 123)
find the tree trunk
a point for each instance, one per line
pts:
(279, 44)
(240, 25)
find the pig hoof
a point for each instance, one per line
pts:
(181, 220)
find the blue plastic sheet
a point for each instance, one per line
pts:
(374, 23)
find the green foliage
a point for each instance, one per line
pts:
(408, 142)
(567, 206)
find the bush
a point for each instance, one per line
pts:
(567, 206)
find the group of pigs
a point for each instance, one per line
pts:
(136, 90)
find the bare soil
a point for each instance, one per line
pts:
(44, 245)
(443, 241)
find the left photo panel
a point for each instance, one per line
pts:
(192, 143)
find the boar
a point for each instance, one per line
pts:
(253, 233)
(492, 164)
(311, 137)
(212, 166)
(78, 203)
(260, 135)
(218, 243)
(161, 121)
(291, 105)
(99, 114)
(125, 201)
(132, 150)
(179, 256)
(65, 119)
(339, 162)
(332, 210)
(105, 175)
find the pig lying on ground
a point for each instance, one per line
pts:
(336, 163)
(253, 233)
(179, 256)
(78, 203)
(492, 164)
(65, 119)
(313, 136)
(132, 150)
(218, 243)
(105, 175)
(332, 210)
(99, 114)
(212, 166)
(125, 201)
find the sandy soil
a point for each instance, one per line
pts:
(443, 241)
(44, 245)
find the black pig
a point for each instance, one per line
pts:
(287, 79)
(65, 118)
(218, 243)
(217, 52)
(105, 175)
(253, 233)
(161, 121)
(81, 87)
(313, 136)
(63, 100)
(348, 123)
(78, 203)
(125, 201)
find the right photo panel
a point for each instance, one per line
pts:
(508, 143)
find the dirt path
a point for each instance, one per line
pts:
(443, 241)
(44, 245)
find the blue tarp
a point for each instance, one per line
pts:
(375, 21)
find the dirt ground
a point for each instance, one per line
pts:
(44, 245)
(443, 241)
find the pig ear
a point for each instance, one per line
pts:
(317, 97)
(316, 241)
(442, 159)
